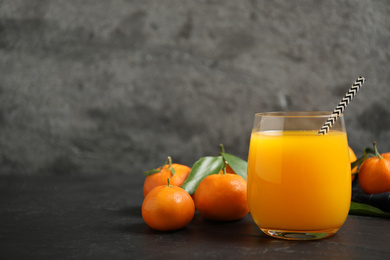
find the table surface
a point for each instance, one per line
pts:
(99, 217)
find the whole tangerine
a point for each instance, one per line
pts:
(168, 207)
(222, 197)
(374, 173)
(177, 174)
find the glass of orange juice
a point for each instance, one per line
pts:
(299, 182)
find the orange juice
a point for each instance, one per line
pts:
(298, 180)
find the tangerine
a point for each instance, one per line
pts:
(168, 207)
(374, 173)
(177, 174)
(222, 197)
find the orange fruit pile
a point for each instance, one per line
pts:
(219, 197)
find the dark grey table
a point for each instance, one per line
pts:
(99, 217)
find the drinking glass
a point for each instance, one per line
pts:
(299, 182)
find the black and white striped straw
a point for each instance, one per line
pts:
(341, 106)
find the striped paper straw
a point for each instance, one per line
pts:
(341, 106)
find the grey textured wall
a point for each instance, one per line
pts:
(97, 86)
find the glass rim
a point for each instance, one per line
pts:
(324, 114)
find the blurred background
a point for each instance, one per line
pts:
(98, 86)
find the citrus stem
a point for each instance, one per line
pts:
(169, 162)
(169, 184)
(224, 167)
(377, 154)
(222, 148)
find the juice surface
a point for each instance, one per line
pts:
(298, 180)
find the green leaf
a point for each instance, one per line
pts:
(366, 210)
(358, 162)
(150, 172)
(369, 150)
(204, 167)
(238, 165)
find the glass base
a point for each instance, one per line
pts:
(299, 235)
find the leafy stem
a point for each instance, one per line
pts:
(238, 165)
(368, 152)
(359, 161)
(169, 162)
